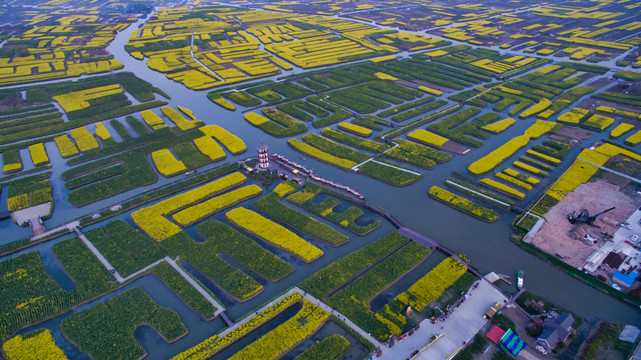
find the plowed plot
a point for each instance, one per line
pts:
(564, 240)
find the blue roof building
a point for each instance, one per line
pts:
(623, 279)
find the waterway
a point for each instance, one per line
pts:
(487, 245)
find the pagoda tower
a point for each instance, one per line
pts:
(263, 155)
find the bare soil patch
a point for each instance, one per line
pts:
(564, 240)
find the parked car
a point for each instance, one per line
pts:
(634, 237)
(626, 226)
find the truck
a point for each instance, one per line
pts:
(492, 310)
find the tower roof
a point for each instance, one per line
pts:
(262, 146)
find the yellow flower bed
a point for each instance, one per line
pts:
(178, 119)
(598, 122)
(279, 341)
(499, 126)
(151, 219)
(634, 139)
(211, 206)
(528, 179)
(355, 129)
(41, 347)
(154, 121)
(102, 132)
(187, 112)
(65, 146)
(431, 286)
(502, 187)
(319, 154)
(573, 116)
(536, 108)
(284, 188)
(430, 90)
(383, 58)
(547, 158)
(427, 137)
(18, 202)
(224, 103)
(498, 155)
(273, 233)
(79, 99)
(210, 147)
(436, 53)
(84, 139)
(578, 173)
(7, 168)
(514, 181)
(166, 162)
(621, 129)
(230, 141)
(384, 76)
(255, 119)
(38, 154)
(214, 344)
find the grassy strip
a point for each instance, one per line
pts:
(339, 272)
(473, 190)
(355, 141)
(393, 175)
(332, 347)
(167, 274)
(462, 204)
(418, 111)
(405, 106)
(157, 193)
(416, 123)
(474, 348)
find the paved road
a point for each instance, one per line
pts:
(461, 326)
(72, 225)
(97, 253)
(192, 282)
(633, 179)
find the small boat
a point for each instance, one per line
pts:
(519, 283)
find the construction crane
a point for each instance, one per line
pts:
(584, 216)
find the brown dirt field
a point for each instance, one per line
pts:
(560, 238)
(456, 148)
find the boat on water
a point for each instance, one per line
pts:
(519, 283)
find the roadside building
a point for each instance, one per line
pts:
(556, 329)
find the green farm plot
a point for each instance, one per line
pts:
(220, 238)
(372, 96)
(338, 286)
(345, 219)
(125, 248)
(271, 205)
(302, 110)
(98, 328)
(417, 154)
(31, 295)
(457, 126)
